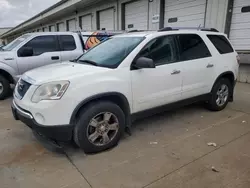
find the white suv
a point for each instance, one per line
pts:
(93, 100)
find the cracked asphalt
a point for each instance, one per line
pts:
(165, 150)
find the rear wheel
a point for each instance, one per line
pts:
(4, 88)
(220, 95)
(99, 127)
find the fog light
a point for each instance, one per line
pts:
(39, 118)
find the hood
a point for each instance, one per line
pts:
(60, 71)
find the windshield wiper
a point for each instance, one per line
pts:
(88, 62)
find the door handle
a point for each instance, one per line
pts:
(176, 72)
(210, 65)
(55, 58)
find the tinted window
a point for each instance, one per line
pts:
(67, 43)
(245, 9)
(43, 44)
(221, 43)
(162, 50)
(192, 47)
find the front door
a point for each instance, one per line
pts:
(160, 85)
(45, 51)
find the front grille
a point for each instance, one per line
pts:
(22, 87)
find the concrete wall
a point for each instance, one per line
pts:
(244, 73)
(2, 31)
(215, 14)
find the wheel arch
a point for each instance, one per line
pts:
(231, 77)
(7, 75)
(115, 97)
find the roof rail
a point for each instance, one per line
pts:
(189, 28)
(135, 30)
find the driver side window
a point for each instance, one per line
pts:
(42, 44)
(161, 50)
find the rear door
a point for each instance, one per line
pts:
(198, 66)
(45, 51)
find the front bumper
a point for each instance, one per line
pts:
(57, 133)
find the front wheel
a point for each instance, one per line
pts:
(220, 95)
(99, 127)
(4, 88)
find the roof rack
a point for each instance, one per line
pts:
(188, 28)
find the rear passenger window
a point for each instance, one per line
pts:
(192, 47)
(221, 43)
(67, 43)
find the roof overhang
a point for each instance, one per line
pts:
(60, 9)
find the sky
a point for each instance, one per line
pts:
(14, 12)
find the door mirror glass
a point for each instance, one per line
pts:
(144, 63)
(25, 52)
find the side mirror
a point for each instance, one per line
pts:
(25, 52)
(144, 63)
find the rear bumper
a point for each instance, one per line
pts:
(57, 133)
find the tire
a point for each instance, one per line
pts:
(95, 112)
(4, 88)
(212, 104)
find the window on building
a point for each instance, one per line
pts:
(221, 43)
(67, 43)
(43, 44)
(192, 47)
(162, 50)
(245, 9)
(172, 20)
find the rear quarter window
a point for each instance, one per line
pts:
(221, 44)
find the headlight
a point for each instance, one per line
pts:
(50, 91)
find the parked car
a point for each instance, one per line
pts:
(93, 100)
(38, 49)
(1, 46)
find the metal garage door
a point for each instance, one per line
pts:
(52, 28)
(136, 15)
(184, 13)
(107, 19)
(71, 25)
(61, 27)
(86, 22)
(240, 27)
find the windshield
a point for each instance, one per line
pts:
(111, 52)
(15, 43)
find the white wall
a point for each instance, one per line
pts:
(216, 14)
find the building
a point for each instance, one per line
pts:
(2, 31)
(229, 16)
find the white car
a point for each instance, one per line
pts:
(93, 100)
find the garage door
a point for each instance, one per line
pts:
(52, 28)
(71, 25)
(61, 27)
(136, 15)
(45, 29)
(240, 27)
(86, 22)
(184, 13)
(107, 19)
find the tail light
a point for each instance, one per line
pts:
(238, 59)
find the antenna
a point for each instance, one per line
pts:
(199, 27)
